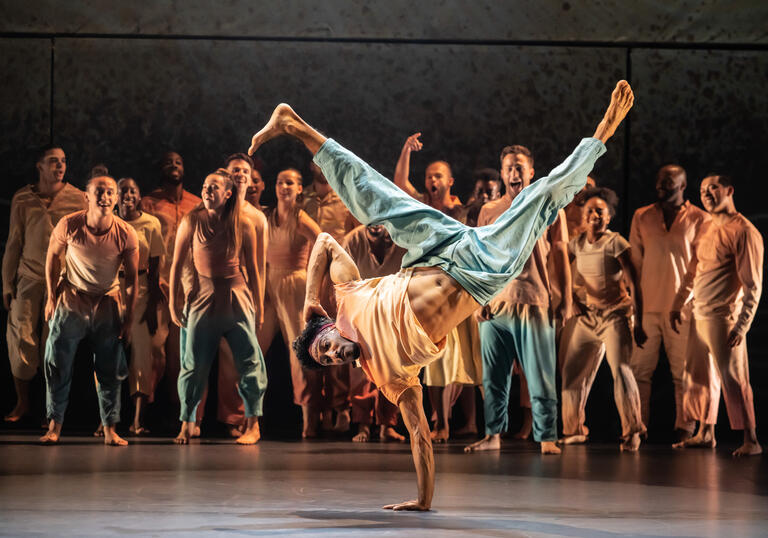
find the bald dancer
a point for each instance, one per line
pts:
(170, 203)
(35, 210)
(291, 236)
(517, 325)
(662, 237)
(85, 303)
(329, 212)
(398, 323)
(726, 274)
(375, 255)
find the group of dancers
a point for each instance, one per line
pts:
(371, 281)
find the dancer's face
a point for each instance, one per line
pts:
(377, 234)
(516, 173)
(172, 167)
(288, 186)
(715, 197)
(240, 171)
(670, 183)
(215, 193)
(438, 180)
(333, 349)
(255, 188)
(486, 191)
(101, 194)
(129, 196)
(53, 166)
(596, 215)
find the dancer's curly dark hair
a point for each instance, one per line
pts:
(609, 196)
(304, 341)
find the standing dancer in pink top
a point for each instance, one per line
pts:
(398, 323)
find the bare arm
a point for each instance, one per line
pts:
(131, 269)
(403, 167)
(52, 274)
(262, 242)
(560, 267)
(307, 227)
(250, 253)
(327, 258)
(181, 249)
(412, 410)
(628, 267)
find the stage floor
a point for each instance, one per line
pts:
(154, 488)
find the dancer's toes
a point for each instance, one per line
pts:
(363, 434)
(632, 444)
(573, 440)
(99, 431)
(489, 442)
(388, 433)
(549, 447)
(748, 449)
(49, 438)
(283, 117)
(112, 439)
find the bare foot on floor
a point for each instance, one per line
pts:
(112, 439)
(698, 441)
(550, 447)
(440, 435)
(185, 433)
(250, 436)
(16, 414)
(632, 444)
(196, 431)
(489, 442)
(622, 99)
(138, 431)
(234, 431)
(573, 440)
(388, 433)
(748, 449)
(49, 438)
(99, 431)
(363, 434)
(283, 121)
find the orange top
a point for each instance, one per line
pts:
(287, 248)
(210, 254)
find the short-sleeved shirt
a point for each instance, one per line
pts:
(359, 248)
(599, 267)
(662, 256)
(92, 261)
(329, 212)
(33, 218)
(170, 213)
(729, 273)
(376, 313)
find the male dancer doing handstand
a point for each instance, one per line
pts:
(397, 324)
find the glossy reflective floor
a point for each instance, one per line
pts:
(152, 488)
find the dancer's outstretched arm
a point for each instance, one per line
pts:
(412, 409)
(403, 167)
(327, 258)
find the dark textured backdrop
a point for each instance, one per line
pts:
(119, 85)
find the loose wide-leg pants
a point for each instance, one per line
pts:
(527, 335)
(482, 260)
(23, 332)
(712, 363)
(582, 355)
(222, 308)
(79, 316)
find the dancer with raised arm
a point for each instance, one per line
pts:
(397, 324)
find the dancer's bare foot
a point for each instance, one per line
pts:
(489, 442)
(53, 434)
(681, 436)
(285, 121)
(234, 431)
(525, 429)
(363, 434)
(550, 447)
(342, 421)
(388, 433)
(138, 430)
(99, 431)
(573, 440)
(17, 413)
(748, 449)
(251, 435)
(196, 431)
(705, 438)
(185, 433)
(440, 435)
(632, 444)
(111, 438)
(622, 99)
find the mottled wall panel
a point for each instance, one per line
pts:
(721, 21)
(706, 110)
(121, 101)
(25, 95)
